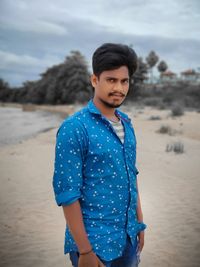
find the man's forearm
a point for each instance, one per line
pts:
(74, 220)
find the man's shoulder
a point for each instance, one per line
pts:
(75, 121)
(77, 116)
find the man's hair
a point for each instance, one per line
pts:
(110, 56)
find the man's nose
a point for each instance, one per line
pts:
(118, 87)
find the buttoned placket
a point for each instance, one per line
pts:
(113, 130)
(127, 170)
(125, 160)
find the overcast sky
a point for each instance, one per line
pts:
(37, 34)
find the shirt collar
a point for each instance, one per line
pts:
(93, 109)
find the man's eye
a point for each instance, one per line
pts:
(125, 81)
(111, 80)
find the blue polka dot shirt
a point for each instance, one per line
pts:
(93, 166)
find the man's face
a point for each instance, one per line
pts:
(111, 87)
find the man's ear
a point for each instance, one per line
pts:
(94, 80)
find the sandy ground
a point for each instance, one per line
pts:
(32, 226)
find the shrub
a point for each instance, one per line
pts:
(165, 130)
(152, 101)
(177, 147)
(154, 118)
(162, 106)
(177, 110)
(168, 99)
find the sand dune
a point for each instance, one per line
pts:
(32, 226)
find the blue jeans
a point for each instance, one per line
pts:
(129, 258)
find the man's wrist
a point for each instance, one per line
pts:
(86, 252)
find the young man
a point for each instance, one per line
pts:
(95, 177)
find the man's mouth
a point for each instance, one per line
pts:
(116, 94)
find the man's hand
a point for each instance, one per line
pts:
(89, 260)
(141, 240)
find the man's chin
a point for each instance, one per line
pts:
(115, 105)
(111, 105)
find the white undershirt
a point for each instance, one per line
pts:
(119, 129)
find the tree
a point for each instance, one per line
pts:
(162, 66)
(74, 79)
(67, 82)
(4, 90)
(152, 60)
(138, 78)
(142, 69)
(32, 92)
(3, 84)
(49, 84)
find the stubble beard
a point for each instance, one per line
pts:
(111, 105)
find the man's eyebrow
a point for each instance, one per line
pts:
(111, 77)
(114, 78)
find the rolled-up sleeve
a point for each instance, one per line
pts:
(69, 155)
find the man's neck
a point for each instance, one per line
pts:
(107, 112)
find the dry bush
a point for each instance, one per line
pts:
(177, 110)
(177, 147)
(152, 101)
(165, 129)
(155, 118)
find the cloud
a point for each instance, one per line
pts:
(36, 26)
(17, 69)
(142, 17)
(25, 20)
(37, 34)
(9, 61)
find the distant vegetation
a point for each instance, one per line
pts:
(69, 82)
(177, 147)
(177, 110)
(174, 96)
(165, 129)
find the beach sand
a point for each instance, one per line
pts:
(32, 226)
